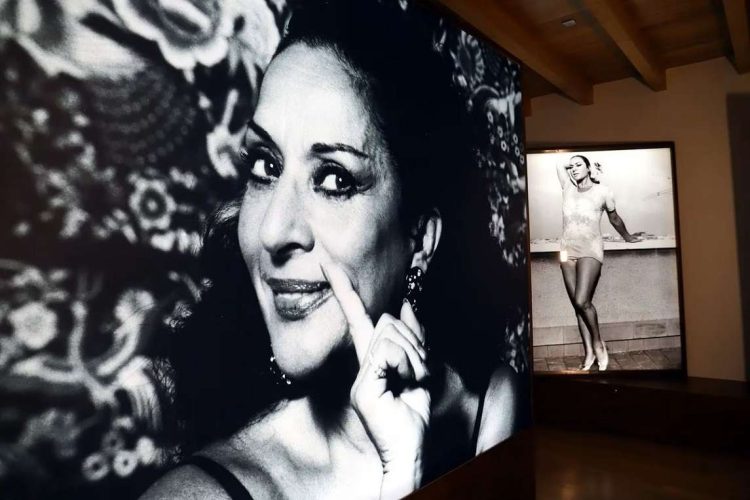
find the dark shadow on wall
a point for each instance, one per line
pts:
(738, 116)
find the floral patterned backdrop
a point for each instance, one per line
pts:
(119, 120)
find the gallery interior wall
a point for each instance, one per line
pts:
(692, 112)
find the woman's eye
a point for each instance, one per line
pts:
(335, 181)
(262, 167)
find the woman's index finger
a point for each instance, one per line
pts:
(410, 319)
(360, 324)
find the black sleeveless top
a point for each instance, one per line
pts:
(236, 491)
(221, 475)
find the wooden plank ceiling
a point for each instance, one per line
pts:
(611, 39)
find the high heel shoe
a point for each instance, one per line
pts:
(604, 361)
(586, 366)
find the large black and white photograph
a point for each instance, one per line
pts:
(257, 249)
(604, 259)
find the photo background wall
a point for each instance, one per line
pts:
(118, 126)
(638, 295)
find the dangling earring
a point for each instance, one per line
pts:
(279, 376)
(414, 284)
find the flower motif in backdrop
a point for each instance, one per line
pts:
(151, 204)
(34, 325)
(468, 60)
(188, 32)
(110, 159)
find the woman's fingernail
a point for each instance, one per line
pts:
(323, 270)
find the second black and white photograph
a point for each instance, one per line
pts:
(604, 259)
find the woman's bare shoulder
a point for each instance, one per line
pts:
(185, 482)
(249, 456)
(500, 415)
(503, 383)
(190, 482)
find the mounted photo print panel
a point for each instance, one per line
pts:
(605, 274)
(283, 245)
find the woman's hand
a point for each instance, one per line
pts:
(389, 394)
(633, 238)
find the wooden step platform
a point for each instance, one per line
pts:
(613, 438)
(704, 413)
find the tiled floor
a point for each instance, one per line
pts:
(654, 359)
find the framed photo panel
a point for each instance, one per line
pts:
(256, 232)
(605, 259)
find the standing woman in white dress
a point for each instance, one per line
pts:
(581, 248)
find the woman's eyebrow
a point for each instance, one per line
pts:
(321, 148)
(260, 131)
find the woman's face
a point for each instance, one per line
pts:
(578, 168)
(322, 189)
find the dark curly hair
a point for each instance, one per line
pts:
(218, 364)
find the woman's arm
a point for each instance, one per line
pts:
(619, 225)
(616, 220)
(563, 174)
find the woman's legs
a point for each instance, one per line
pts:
(588, 271)
(569, 278)
(581, 277)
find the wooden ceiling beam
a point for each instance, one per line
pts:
(737, 20)
(621, 27)
(519, 39)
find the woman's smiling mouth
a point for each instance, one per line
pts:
(295, 299)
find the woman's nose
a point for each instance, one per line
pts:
(284, 228)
